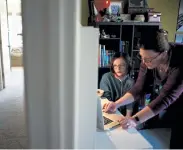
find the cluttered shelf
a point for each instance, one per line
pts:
(120, 12)
(121, 25)
(109, 39)
(96, 24)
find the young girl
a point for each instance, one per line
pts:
(117, 82)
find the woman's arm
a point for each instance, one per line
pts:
(140, 117)
(170, 92)
(128, 85)
(125, 100)
(144, 115)
(136, 90)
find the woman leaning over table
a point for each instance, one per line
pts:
(165, 60)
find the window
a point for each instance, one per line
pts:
(179, 30)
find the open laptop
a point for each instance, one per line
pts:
(106, 121)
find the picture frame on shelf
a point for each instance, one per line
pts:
(116, 7)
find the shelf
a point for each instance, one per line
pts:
(104, 67)
(109, 38)
(127, 32)
(129, 23)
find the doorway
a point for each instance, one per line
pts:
(12, 112)
(11, 50)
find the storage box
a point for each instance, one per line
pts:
(136, 3)
(134, 10)
(125, 17)
(154, 17)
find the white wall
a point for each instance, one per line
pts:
(86, 85)
(60, 75)
(35, 42)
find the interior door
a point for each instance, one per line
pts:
(5, 46)
(2, 79)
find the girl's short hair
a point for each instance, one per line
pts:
(126, 58)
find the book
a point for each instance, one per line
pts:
(104, 56)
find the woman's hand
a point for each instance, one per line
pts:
(109, 107)
(128, 122)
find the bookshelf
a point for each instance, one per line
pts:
(123, 37)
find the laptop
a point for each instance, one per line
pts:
(106, 121)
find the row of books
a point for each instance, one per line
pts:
(104, 56)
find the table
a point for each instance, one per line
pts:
(118, 138)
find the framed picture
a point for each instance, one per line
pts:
(178, 38)
(180, 17)
(116, 7)
(136, 3)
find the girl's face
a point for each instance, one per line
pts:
(120, 67)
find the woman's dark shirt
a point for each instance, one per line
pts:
(172, 81)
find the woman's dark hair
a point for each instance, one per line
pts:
(157, 41)
(124, 56)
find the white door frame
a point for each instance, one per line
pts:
(2, 76)
(60, 75)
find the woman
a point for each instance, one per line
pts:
(165, 61)
(117, 82)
